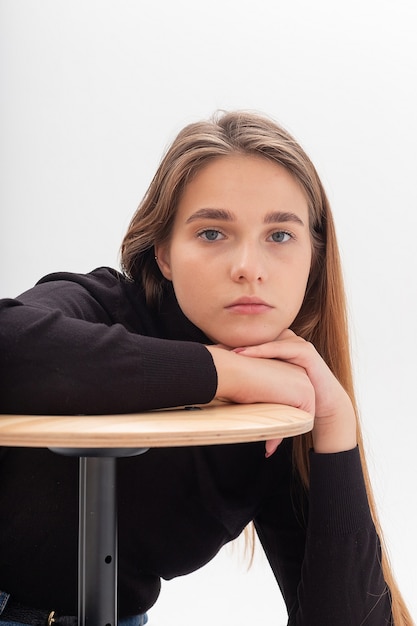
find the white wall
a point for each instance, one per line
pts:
(91, 93)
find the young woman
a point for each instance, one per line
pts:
(231, 289)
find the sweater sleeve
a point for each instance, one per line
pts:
(62, 351)
(330, 570)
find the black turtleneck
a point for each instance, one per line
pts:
(80, 344)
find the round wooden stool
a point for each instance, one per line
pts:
(99, 439)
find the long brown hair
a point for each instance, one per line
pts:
(322, 318)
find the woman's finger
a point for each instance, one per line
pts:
(292, 349)
(271, 446)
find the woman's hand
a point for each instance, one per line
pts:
(261, 379)
(264, 379)
(335, 420)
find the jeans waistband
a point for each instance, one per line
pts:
(16, 612)
(12, 611)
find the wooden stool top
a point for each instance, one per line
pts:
(207, 424)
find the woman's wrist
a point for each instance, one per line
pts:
(335, 434)
(227, 374)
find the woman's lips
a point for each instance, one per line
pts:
(248, 306)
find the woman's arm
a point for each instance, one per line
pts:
(66, 348)
(331, 574)
(326, 556)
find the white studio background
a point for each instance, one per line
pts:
(91, 93)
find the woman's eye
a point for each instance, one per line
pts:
(210, 234)
(281, 236)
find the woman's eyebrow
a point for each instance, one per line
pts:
(282, 216)
(274, 217)
(212, 214)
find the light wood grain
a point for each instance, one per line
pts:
(213, 424)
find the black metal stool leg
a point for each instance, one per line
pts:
(97, 557)
(97, 542)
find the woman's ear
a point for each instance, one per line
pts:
(163, 259)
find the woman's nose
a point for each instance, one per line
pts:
(249, 264)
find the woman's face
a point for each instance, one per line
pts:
(239, 254)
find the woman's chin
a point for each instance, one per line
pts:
(243, 341)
